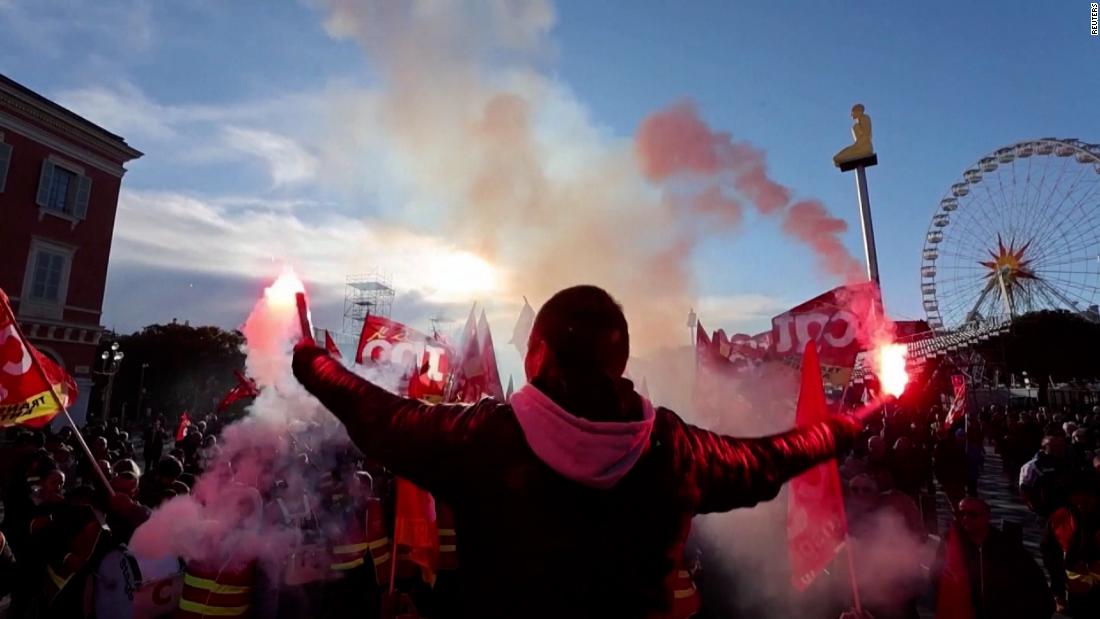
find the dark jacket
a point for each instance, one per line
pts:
(535, 544)
(1005, 581)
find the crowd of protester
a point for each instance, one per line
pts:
(57, 518)
(58, 522)
(1049, 460)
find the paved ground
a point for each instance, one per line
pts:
(1006, 505)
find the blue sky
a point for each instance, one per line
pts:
(228, 101)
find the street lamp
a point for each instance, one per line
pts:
(141, 388)
(111, 360)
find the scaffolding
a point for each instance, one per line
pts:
(366, 295)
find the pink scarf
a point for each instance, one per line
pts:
(593, 453)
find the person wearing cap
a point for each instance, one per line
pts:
(575, 498)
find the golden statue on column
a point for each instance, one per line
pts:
(861, 134)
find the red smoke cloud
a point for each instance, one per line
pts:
(713, 202)
(674, 143)
(810, 222)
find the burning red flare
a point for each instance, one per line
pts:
(890, 368)
(280, 294)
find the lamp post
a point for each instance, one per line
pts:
(111, 360)
(141, 388)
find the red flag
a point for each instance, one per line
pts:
(1064, 526)
(245, 388)
(181, 429)
(25, 396)
(721, 344)
(469, 378)
(958, 405)
(831, 320)
(953, 597)
(489, 359)
(330, 345)
(816, 526)
(421, 386)
(390, 332)
(415, 528)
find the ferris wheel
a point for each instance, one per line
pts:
(1019, 232)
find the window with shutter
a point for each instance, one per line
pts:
(62, 185)
(46, 278)
(46, 282)
(83, 192)
(43, 195)
(5, 159)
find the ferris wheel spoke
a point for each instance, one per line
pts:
(1052, 301)
(1082, 259)
(1088, 216)
(1032, 206)
(1054, 219)
(1055, 229)
(1043, 205)
(1084, 288)
(1029, 200)
(1035, 205)
(1067, 296)
(1070, 289)
(978, 242)
(1015, 204)
(982, 210)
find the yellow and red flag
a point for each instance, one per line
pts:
(25, 397)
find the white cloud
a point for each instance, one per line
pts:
(191, 133)
(49, 27)
(123, 109)
(751, 313)
(287, 161)
(173, 231)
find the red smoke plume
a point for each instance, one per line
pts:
(810, 222)
(675, 142)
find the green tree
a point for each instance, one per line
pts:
(185, 368)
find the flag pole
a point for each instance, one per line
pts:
(53, 392)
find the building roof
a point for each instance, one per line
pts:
(71, 120)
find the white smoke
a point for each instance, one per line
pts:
(286, 437)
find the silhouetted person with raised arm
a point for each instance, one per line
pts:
(575, 498)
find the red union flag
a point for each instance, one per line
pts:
(388, 341)
(816, 525)
(245, 388)
(833, 321)
(24, 393)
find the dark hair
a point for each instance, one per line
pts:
(169, 467)
(588, 344)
